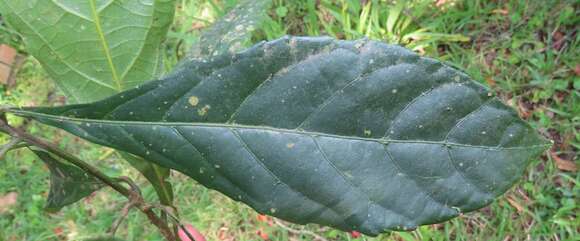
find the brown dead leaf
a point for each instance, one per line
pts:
(559, 39)
(262, 234)
(197, 26)
(489, 58)
(440, 3)
(577, 69)
(500, 11)
(223, 234)
(8, 200)
(58, 231)
(563, 164)
(525, 108)
(515, 204)
(490, 81)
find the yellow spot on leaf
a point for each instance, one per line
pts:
(193, 100)
(290, 145)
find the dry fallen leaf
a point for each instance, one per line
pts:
(223, 234)
(515, 204)
(440, 3)
(490, 81)
(263, 234)
(500, 11)
(7, 200)
(563, 164)
(524, 108)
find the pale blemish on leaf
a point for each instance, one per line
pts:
(367, 132)
(290, 145)
(193, 100)
(203, 111)
(348, 174)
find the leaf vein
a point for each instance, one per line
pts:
(342, 175)
(361, 76)
(259, 162)
(468, 181)
(410, 103)
(105, 45)
(405, 175)
(460, 121)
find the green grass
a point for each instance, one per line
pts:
(525, 50)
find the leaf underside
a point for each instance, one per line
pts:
(68, 183)
(93, 48)
(357, 135)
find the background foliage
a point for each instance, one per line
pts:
(525, 50)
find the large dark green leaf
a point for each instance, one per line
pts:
(68, 183)
(356, 135)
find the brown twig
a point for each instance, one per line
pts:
(298, 232)
(132, 195)
(124, 212)
(9, 146)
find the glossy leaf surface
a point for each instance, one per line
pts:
(358, 135)
(68, 183)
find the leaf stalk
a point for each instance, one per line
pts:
(133, 195)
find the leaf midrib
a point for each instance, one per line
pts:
(383, 140)
(103, 40)
(41, 37)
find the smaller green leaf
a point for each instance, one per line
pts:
(68, 183)
(233, 31)
(93, 48)
(155, 174)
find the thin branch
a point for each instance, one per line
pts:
(130, 194)
(17, 133)
(124, 212)
(9, 146)
(298, 232)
